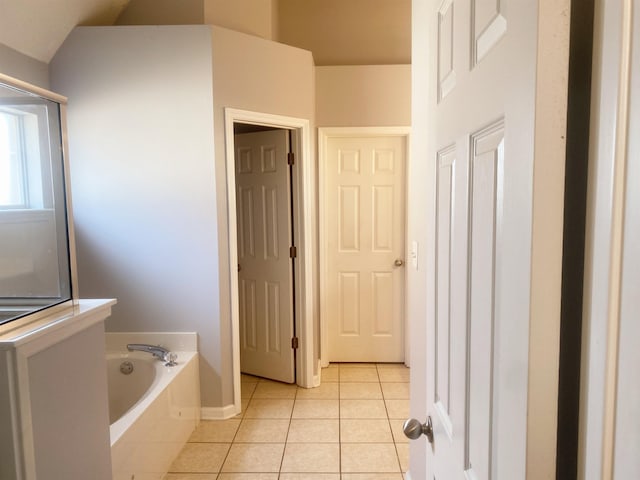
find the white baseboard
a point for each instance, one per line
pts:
(218, 413)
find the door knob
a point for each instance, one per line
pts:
(413, 429)
(399, 262)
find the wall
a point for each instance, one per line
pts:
(144, 190)
(162, 12)
(354, 32)
(255, 17)
(22, 67)
(362, 96)
(253, 74)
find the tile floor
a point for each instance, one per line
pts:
(349, 428)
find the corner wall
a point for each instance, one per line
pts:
(23, 67)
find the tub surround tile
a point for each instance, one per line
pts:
(254, 457)
(174, 341)
(311, 457)
(200, 458)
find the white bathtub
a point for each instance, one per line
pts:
(154, 410)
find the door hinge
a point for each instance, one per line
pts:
(291, 158)
(294, 343)
(293, 252)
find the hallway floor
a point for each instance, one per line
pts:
(349, 428)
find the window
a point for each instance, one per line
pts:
(12, 162)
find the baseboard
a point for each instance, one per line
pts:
(218, 413)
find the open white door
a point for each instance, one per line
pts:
(264, 263)
(481, 147)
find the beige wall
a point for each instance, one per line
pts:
(253, 74)
(162, 12)
(354, 32)
(363, 96)
(255, 17)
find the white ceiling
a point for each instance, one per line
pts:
(37, 28)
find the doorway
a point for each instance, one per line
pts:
(303, 218)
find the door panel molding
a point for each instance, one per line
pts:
(350, 162)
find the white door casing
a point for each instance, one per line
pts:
(264, 265)
(484, 227)
(609, 410)
(362, 244)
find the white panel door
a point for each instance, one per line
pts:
(364, 225)
(264, 264)
(481, 146)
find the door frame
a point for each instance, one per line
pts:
(304, 216)
(324, 134)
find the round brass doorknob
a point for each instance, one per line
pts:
(413, 429)
(399, 262)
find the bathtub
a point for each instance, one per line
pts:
(153, 409)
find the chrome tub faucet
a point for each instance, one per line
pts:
(157, 351)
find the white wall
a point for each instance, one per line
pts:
(23, 67)
(143, 180)
(250, 73)
(363, 96)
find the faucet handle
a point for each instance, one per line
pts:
(170, 359)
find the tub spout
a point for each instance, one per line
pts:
(157, 351)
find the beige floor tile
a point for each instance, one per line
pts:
(249, 378)
(372, 476)
(362, 409)
(190, 476)
(397, 408)
(397, 431)
(326, 391)
(393, 374)
(247, 389)
(309, 476)
(330, 375)
(363, 430)
(311, 457)
(247, 476)
(263, 430)
(269, 408)
(403, 455)
(267, 389)
(315, 409)
(215, 431)
(395, 391)
(357, 365)
(254, 457)
(305, 430)
(358, 390)
(369, 458)
(358, 374)
(200, 458)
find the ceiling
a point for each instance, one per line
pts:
(37, 28)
